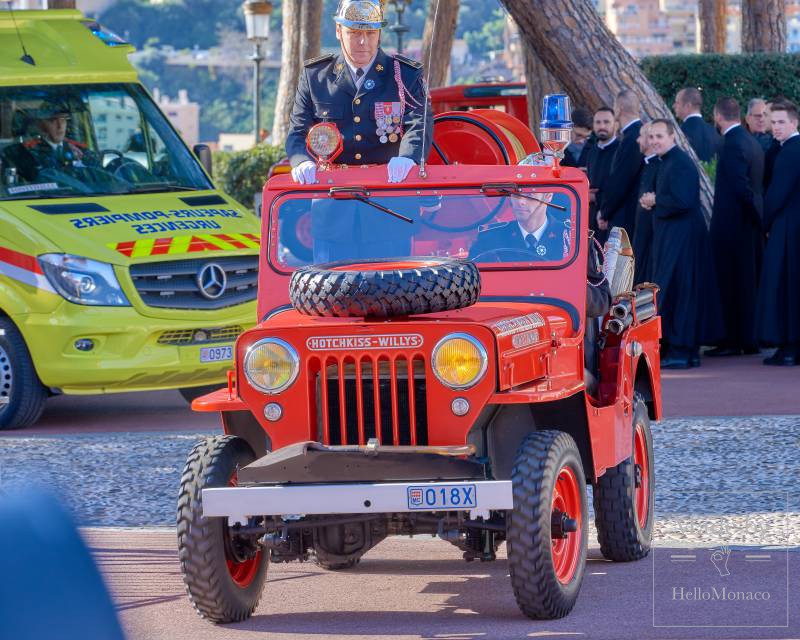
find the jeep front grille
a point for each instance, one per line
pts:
(371, 397)
(184, 337)
(173, 284)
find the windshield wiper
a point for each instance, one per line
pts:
(164, 188)
(511, 189)
(360, 194)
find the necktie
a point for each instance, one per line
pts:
(359, 73)
(531, 241)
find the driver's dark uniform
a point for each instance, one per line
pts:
(64, 156)
(552, 246)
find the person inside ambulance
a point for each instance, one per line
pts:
(50, 148)
(378, 102)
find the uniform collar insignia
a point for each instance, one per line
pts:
(378, 68)
(338, 67)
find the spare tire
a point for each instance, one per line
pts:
(385, 288)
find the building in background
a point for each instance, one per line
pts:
(641, 26)
(182, 113)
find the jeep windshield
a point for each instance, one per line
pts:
(98, 139)
(491, 226)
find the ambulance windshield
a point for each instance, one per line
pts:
(80, 140)
(535, 225)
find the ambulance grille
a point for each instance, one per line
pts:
(174, 284)
(371, 398)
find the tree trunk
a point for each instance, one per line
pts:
(763, 26)
(539, 82)
(310, 29)
(577, 48)
(291, 66)
(441, 21)
(60, 4)
(713, 25)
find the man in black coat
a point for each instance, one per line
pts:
(643, 229)
(736, 235)
(757, 120)
(598, 164)
(682, 264)
(620, 195)
(377, 101)
(778, 316)
(701, 135)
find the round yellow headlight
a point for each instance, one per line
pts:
(271, 365)
(459, 361)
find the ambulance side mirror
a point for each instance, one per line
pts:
(203, 154)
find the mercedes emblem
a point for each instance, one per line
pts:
(211, 281)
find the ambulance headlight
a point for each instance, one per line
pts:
(459, 361)
(83, 281)
(271, 365)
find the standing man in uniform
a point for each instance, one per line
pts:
(682, 264)
(702, 136)
(736, 236)
(377, 101)
(778, 317)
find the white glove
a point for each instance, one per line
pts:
(305, 172)
(399, 168)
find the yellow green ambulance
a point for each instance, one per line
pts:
(122, 267)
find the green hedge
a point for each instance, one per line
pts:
(746, 76)
(241, 174)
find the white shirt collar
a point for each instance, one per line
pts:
(649, 158)
(538, 233)
(354, 69)
(53, 145)
(603, 145)
(693, 115)
(733, 126)
(790, 137)
(634, 121)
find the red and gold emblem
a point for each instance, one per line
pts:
(324, 143)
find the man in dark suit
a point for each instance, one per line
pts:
(736, 236)
(757, 120)
(778, 316)
(643, 229)
(581, 130)
(682, 264)
(377, 101)
(598, 164)
(620, 195)
(702, 136)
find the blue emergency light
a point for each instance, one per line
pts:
(556, 124)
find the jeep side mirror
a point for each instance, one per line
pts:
(203, 154)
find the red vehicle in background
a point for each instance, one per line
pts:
(510, 97)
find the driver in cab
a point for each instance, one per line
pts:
(533, 235)
(51, 149)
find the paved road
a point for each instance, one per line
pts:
(420, 588)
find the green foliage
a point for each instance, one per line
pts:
(710, 168)
(760, 75)
(242, 174)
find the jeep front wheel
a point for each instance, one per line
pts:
(224, 573)
(623, 496)
(547, 529)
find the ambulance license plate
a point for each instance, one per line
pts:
(216, 354)
(443, 496)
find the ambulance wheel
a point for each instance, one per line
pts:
(22, 395)
(190, 394)
(547, 529)
(624, 496)
(224, 573)
(385, 288)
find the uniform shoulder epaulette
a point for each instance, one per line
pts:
(411, 63)
(318, 59)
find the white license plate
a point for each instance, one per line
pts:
(443, 496)
(216, 354)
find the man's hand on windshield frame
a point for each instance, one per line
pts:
(399, 167)
(305, 172)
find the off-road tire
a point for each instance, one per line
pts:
(201, 541)
(18, 381)
(190, 394)
(537, 589)
(384, 291)
(619, 533)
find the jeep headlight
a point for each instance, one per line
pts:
(459, 361)
(83, 281)
(271, 365)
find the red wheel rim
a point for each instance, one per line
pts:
(242, 573)
(641, 469)
(303, 230)
(567, 500)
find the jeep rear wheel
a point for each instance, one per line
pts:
(385, 288)
(624, 496)
(22, 395)
(547, 529)
(224, 573)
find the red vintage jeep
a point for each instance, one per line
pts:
(431, 380)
